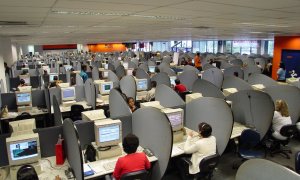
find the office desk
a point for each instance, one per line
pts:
(258, 87)
(33, 112)
(292, 80)
(83, 103)
(237, 130)
(229, 91)
(177, 148)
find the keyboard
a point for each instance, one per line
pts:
(110, 165)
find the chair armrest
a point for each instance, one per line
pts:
(187, 160)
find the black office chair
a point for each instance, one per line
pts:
(183, 94)
(24, 115)
(136, 175)
(277, 145)
(75, 113)
(297, 162)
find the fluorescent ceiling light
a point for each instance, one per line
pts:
(255, 32)
(105, 26)
(265, 25)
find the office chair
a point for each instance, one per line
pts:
(297, 162)
(183, 94)
(24, 115)
(248, 142)
(75, 113)
(136, 175)
(276, 147)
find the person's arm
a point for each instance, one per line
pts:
(189, 147)
(117, 171)
(147, 163)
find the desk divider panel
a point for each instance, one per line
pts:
(2, 89)
(290, 95)
(88, 91)
(48, 101)
(237, 62)
(163, 66)
(155, 132)
(262, 79)
(262, 62)
(128, 86)
(141, 74)
(254, 108)
(234, 69)
(78, 66)
(9, 99)
(144, 66)
(68, 74)
(151, 63)
(95, 73)
(214, 75)
(7, 84)
(168, 97)
(120, 71)
(114, 78)
(216, 113)
(207, 89)
(188, 78)
(79, 80)
(80, 93)
(235, 82)
(58, 120)
(190, 68)
(86, 132)
(126, 124)
(250, 169)
(249, 70)
(38, 98)
(111, 67)
(169, 71)
(117, 105)
(48, 139)
(116, 64)
(73, 148)
(132, 65)
(207, 66)
(57, 92)
(161, 78)
(225, 64)
(3, 151)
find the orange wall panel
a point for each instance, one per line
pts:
(280, 43)
(106, 47)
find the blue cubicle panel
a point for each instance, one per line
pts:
(290, 95)
(188, 78)
(168, 97)
(264, 169)
(231, 71)
(161, 78)
(253, 108)
(128, 86)
(117, 105)
(155, 132)
(262, 79)
(120, 71)
(190, 68)
(207, 89)
(114, 78)
(215, 112)
(95, 73)
(237, 62)
(213, 75)
(72, 148)
(235, 82)
(249, 70)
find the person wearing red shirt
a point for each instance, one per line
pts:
(179, 88)
(133, 161)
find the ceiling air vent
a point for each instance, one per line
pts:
(12, 23)
(202, 27)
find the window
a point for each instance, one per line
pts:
(215, 46)
(228, 45)
(202, 46)
(196, 46)
(271, 48)
(210, 46)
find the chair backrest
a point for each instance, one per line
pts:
(297, 162)
(288, 130)
(24, 115)
(209, 163)
(249, 138)
(76, 110)
(136, 175)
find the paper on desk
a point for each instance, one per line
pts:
(98, 168)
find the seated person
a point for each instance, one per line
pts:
(151, 94)
(55, 82)
(133, 161)
(205, 146)
(22, 83)
(179, 88)
(83, 73)
(27, 172)
(280, 119)
(131, 104)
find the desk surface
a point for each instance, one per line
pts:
(34, 112)
(237, 130)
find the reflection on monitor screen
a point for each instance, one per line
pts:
(68, 93)
(23, 98)
(23, 150)
(152, 69)
(109, 133)
(175, 119)
(141, 84)
(106, 87)
(172, 80)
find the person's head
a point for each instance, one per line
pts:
(130, 102)
(282, 66)
(83, 67)
(157, 70)
(22, 82)
(55, 78)
(27, 172)
(134, 72)
(198, 54)
(236, 74)
(282, 107)
(177, 81)
(204, 130)
(5, 64)
(134, 55)
(153, 84)
(130, 143)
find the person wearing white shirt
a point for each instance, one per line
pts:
(151, 93)
(281, 118)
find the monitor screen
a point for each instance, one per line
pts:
(68, 67)
(109, 133)
(141, 84)
(105, 87)
(51, 77)
(68, 93)
(23, 150)
(125, 64)
(23, 98)
(152, 69)
(175, 120)
(172, 80)
(106, 66)
(129, 72)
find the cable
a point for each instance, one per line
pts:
(55, 167)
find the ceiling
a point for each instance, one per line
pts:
(92, 21)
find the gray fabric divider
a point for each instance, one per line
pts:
(58, 120)
(117, 105)
(168, 97)
(80, 93)
(234, 69)
(128, 86)
(188, 78)
(9, 99)
(78, 66)
(79, 80)
(225, 65)
(214, 75)
(32, 72)
(262, 62)
(169, 71)
(116, 64)
(120, 71)
(161, 78)
(48, 138)
(95, 73)
(290, 95)
(190, 68)
(249, 171)
(151, 63)
(7, 84)
(207, 66)
(216, 113)
(3, 152)
(132, 65)
(254, 108)
(68, 74)
(249, 61)
(17, 73)
(144, 66)
(126, 124)
(141, 74)
(57, 93)
(262, 79)
(114, 78)
(207, 89)
(111, 67)
(48, 100)
(88, 91)
(86, 132)
(235, 82)
(249, 70)
(163, 66)
(72, 148)
(38, 98)
(237, 62)
(155, 132)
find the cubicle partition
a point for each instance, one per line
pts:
(168, 97)
(235, 82)
(79, 80)
(262, 79)
(215, 112)
(249, 70)
(144, 66)
(114, 78)
(155, 132)
(80, 93)
(233, 71)
(188, 78)
(214, 75)
(128, 86)
(161, 78)
(86, 132)
(169, 71)
(3, 152)
(90, 93)
(190, 68)
(117, 105)
(120, 71)
(95, 74)
(58, 119)
(207, 89)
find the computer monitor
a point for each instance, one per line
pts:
(105, 87)
(25, 70)
(175, 117)
(23, 98)
(141, 84)
(105, 66)
(129, 72)
(151, 69)
(68, 94)
(68, 67)
(108, 132)
(51, 76)
(172, 80)
(125, 65)
(104, 74)
(26, 78)
(23, 149)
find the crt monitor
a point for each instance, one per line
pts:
(104, 74)
(175, 117)
(25, 70)
(108, 132)
(172, 80)
(51, 76)
(141, 84)
(26, 78)
(68, 67)
(105, 87)
(151, 69)
(23, 149)
(129, 72)
(23, 98)
(68, 94)
(125, 65)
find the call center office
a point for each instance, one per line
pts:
(234, 87)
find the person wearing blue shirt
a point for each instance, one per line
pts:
(83, 73)
(281, 73)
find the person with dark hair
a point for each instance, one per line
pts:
(83, 73)
(134, 73)
(179, 88)
(7, 69)
(197, 62)
(27, 172)
(131, 104)
(22, 83)
(236, 74)
(281, 73)
(55, 82)
(133, 161)
(151, 94)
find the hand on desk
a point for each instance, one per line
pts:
(57, 177)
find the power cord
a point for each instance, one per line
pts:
(55, 167)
